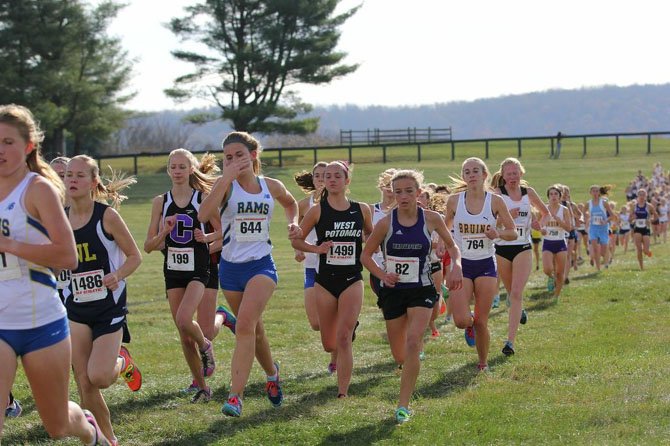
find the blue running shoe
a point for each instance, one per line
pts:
(229, 319)
(14, 409)
(508, 349)
(496, 301)
(402, 415)
(273, 389)
(470, 336)
(232, 407)
(193, 388)
(524, 317)
(550, 284)
(99, 437)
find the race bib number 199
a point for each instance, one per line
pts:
(180, 259)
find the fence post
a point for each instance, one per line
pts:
(453, 150)
(281, 162)
(486, 154)
(418, 152)
(315, 158)
(648, 143)
(518, 142)
(551, 153)
(384, 154)
(584, 147)
(135, 165)
(429, 135)
(617, 145)
(350, 158)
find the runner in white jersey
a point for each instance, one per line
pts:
(472, 212)
(663, 219)
(35, 240)
(380, 210)
(312, 183)
(571, 240)
(514, 257)
(554, 246)
(624, 227)
(247, 272)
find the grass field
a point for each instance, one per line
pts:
(590, 369)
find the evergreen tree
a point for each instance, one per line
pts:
(57, 60)
(255, 51)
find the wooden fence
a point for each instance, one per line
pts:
(450, 145)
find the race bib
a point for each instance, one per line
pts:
(180, 259)
(88, 287)
(640, 222)
(553, 232)
(341, 253)
(625, 225)
(63, 279)
(598, 220)
(475, 245)
(521, 232)
(251, 228)
(407, 268)
(9, 267)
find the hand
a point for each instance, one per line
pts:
(232, 168)
(200, 236)
(299, 256)
(535, 225)
(491, 233)
(324, 247)
(543, 231)
(390, 279)
(294, 232)
(111, 281)
(169, 223)
(455, 278)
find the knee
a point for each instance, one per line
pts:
(414, 344)
(100, 380)
(462, 321)
(244, 328)
(481, 324)
(184, 324)
(344, 339)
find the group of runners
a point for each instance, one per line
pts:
(214, 232)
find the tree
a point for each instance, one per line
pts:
(256, 50)
(57, 60)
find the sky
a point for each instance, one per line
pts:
(435, 51)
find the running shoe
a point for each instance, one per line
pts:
(131, 373)
(353, 335)
(207, 358)
(332, 368)
(482, 368)
(496, 301)
(567, 281)
(402, 415)
(193, 388)
(232, 407)
(524, 317)
(202, 396)
(649, 254)
(435, 333)
(229, 319)
(273, 389)
(447, 319)
(14, 409)
(470, 336)
(550, 284)
(99, 438)
(508, 349)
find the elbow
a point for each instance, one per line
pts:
(70, 261)
(147, 248)
(203, 217)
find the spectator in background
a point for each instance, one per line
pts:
(559, 137)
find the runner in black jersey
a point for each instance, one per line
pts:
(96, 297)
(340, 226)
(174, 228)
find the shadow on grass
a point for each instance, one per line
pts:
(456, 379)
(292, 411)
(368, 434)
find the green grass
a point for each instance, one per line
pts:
(590, 369)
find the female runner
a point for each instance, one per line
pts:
(641, 214)
(554, 246)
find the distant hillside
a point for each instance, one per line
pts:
(588, 110)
